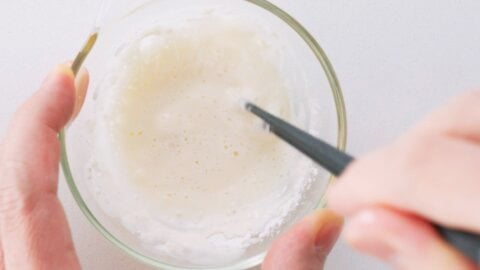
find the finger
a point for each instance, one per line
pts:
(81, 85)
(34, 229)
(415, 176)
(1, 146)
(459, 118)
(2, 265)
(306, 245)
(53, 103)
(403, 241)
(31, 141)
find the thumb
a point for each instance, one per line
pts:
(306, 245)
(33, 226)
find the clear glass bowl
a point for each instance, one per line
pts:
(307, 69)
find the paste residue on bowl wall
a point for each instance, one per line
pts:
(177, 160)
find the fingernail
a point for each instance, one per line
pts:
(81, 82)
(59, 70)
(328, 225)
(364, 233)
(65, 69)
(81, 85)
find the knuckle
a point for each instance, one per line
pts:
(455, 117)
(464, 106)
(468, 97)
(16, 196)
(412, 153)
(417, 160)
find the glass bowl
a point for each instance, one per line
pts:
(314, 91)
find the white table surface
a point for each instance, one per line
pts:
(396, 60)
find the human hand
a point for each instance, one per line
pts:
(306, 245)
(433, 173)
(29, 172)
(34, 232)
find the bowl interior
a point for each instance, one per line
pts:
(313, 90)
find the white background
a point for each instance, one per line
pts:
(396, 60)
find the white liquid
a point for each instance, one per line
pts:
(185, 168)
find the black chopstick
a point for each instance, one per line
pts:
(335, 161)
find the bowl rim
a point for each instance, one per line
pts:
(255, 260)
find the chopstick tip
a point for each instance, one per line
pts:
(245, 104)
